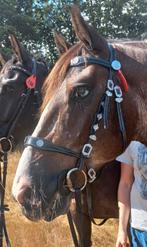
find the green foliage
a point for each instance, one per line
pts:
(33, 21)
(118, 19)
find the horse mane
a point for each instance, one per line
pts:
(58, 72)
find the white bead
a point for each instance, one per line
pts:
(95, 127)
(109, 94)
(99, 116)
(92, 137)
(118, 100)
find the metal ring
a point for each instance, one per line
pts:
(9, 143)
(69, 182)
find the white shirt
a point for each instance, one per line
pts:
(136, 156)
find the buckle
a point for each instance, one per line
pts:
(118, 91)
(92, 175)
(70, 183)
(110, 85)
(86, 151)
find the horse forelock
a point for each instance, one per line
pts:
(57, 74)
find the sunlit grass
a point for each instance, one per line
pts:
(24, 233)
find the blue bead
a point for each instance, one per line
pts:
(116, 65)
(40, 143)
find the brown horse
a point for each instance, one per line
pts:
(13, 88)
(74, 88)
(103, 190)
(21, 80)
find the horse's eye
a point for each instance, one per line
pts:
(81, 92)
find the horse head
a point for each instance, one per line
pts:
(21, 80)
(82, 125)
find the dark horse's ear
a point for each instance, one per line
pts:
(2, 59)
(86, 33)
(61, 44)
(22, 55)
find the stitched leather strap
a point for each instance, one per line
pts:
(45, 145)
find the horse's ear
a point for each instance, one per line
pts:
(61, 44)
(2, 59)
(22, 55)
(86, 33)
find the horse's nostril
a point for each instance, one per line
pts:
(23, 193)
(21, 189)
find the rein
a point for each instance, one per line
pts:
(6, 142)
(114, 85)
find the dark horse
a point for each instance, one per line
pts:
(20, 102)
(74, 90)
(21, 80)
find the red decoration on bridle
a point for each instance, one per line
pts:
(123, 81)
(31, 82)
(116, 66)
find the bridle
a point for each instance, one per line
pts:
(7, 141)
(31, 88)
(115, 82)
(112, 88)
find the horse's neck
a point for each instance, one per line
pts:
(135, 50)
(135, 70)
(137, 44)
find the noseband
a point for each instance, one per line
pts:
(112, 88)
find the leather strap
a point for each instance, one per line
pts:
(72, 229)
(80, 61)
(42, 144)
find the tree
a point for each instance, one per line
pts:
(33, 21)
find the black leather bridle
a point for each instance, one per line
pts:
(24, 97)
(113, 88)
(7, 141)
